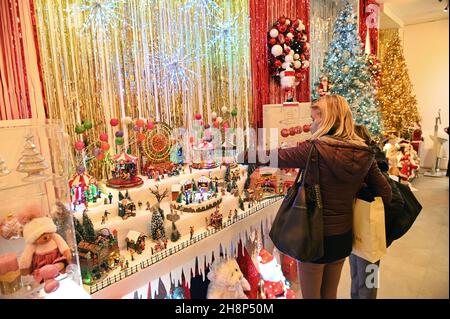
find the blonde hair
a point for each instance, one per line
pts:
(335, 118)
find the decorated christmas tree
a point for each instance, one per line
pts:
(32, 162)
(157, 226)
(89, 232)
(397, 102)
(347, 72)
(175, 235)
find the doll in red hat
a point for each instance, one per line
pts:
(272, 278)
(46, 253)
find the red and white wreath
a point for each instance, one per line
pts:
(289, 51)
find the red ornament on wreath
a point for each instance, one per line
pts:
(290, 37)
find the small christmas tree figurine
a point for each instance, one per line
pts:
(3, 168)
(32, 162)
(157, 226)
(175, 235)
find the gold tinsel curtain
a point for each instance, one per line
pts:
(164, 60)
(397, 101)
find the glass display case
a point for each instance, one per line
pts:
(38, 256)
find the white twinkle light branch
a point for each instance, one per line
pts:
(101, 15)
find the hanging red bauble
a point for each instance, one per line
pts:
(282, 28)
(285, 132)
(282, 21)
(198, 116)
(278, 63)
(140, 137)
(140, 123)
(100, 156)
(292, 131)
(272, 41)
(104, 146)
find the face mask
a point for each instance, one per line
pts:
(314, 127)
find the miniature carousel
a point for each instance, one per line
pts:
(203, 156)
(124, 174)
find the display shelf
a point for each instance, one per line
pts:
(175, 258)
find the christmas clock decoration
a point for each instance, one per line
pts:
(289, 51)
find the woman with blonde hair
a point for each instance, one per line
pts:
(344, 163)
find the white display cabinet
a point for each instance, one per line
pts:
(38, 255)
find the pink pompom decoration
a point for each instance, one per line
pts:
(104, 137)
(198, 116)
(79, 146)
(114, 122)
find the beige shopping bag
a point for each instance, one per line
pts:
(369, 230)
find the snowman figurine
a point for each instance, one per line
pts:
(272, 279)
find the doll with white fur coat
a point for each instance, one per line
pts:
(46, 253)
(226, 280)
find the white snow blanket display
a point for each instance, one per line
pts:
(167, 269)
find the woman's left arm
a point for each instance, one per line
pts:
(292, 157)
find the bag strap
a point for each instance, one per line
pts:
(303, 173)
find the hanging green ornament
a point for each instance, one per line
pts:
(234, 112)
(87, 125)
(79, 129)
(119, 140)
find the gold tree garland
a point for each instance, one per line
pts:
(398, 104)
(97, 74)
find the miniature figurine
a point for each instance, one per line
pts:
(105, 201)
(103, 220)
(126, 264)
(110, 197)
(105, 214)
(229, 216)
(148, 206)
(140, 204)
(235, 216)
(165, 242)
(191, 231)
(206, 223)
(132, 254)
(151, 250)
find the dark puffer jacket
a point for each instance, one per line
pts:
(343, 166)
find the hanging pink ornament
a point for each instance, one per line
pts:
(103, 137)
(97, 151)
(281, 38)
(226, 126)
(150, 125)
(114, 122)
(198, 116)
(79, 145)
(216, 124)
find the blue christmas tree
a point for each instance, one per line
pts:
(347, 72)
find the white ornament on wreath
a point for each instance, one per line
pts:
(292, 52)
(290, 35)
(305, 64)
(288, 59)
(285, 65)
(296, 56)
(288, 22)
(297, 64)
(276, 50)
(273, 33)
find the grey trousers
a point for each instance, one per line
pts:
(359, 274)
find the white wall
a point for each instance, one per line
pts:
(427, 56)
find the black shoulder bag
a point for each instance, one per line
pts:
(297, 230)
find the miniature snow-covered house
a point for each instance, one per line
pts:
(136, 241)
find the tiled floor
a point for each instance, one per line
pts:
(416, 265)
